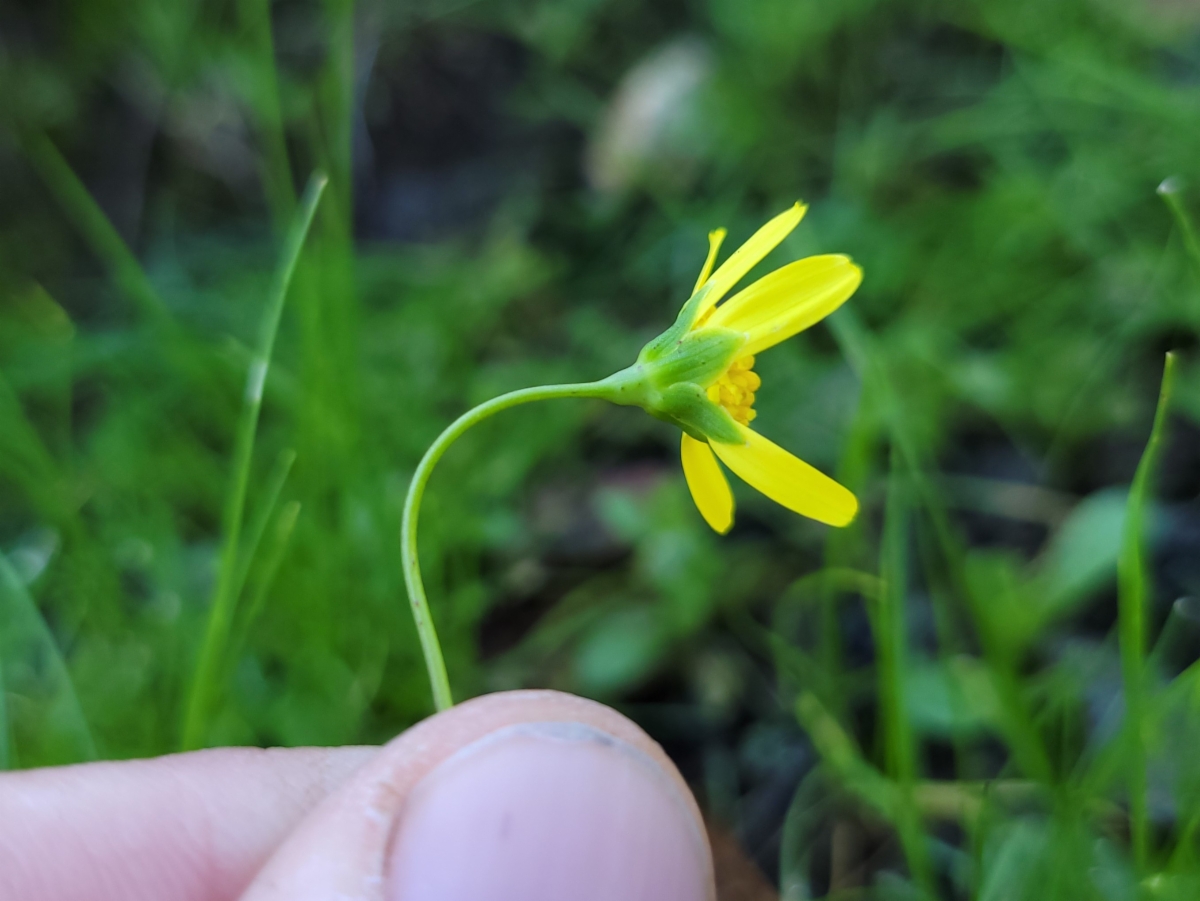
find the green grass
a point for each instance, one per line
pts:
(1134, 587)
(234, 561)
(985, 688)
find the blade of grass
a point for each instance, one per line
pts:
(203, 688)
(335, 100)
(281, 537)
(1111, 348)
(110, 248)
(255, 18)
(1183, 856)
(328, 301)
(844, 547)
(7, 751)
(1132, 593)
(273, 556)
(891, 643)
(1169, 191)
(28, 462)
(865, 357)
(820, 589)
(813, 806)
(26, 640)
(95, 226)
(258, 528)
(23, 454)
(840, 752)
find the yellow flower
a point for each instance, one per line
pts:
(699, 374)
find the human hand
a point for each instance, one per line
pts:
(521, 795)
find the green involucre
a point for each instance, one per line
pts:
(683, 323)
(700, 358)
(673, 371)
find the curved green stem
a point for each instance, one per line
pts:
(430, 647)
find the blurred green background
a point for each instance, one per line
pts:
(956, 697)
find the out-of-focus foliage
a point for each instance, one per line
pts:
(934, 700)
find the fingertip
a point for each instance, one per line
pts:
(543, 811)
(532, 794)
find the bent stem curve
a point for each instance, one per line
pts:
(430, 647)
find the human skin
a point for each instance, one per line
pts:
(529, 795)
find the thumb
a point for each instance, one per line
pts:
(520, 796)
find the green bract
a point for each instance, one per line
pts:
(673, 371)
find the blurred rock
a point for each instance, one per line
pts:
(645, 129)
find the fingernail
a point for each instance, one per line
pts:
(545, 812)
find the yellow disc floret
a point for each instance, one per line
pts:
(735, 390)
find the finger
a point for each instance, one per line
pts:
(522, 795)
(189, 827)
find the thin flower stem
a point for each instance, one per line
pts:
(430, 647)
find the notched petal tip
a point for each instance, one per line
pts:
(715, 239)
(746, 257)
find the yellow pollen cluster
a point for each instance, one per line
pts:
(735, 390)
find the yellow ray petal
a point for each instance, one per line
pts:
(707, 483)
(748, 255)
(788, 300)
(788, 480)
(714, 245)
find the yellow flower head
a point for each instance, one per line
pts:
(699, 374)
